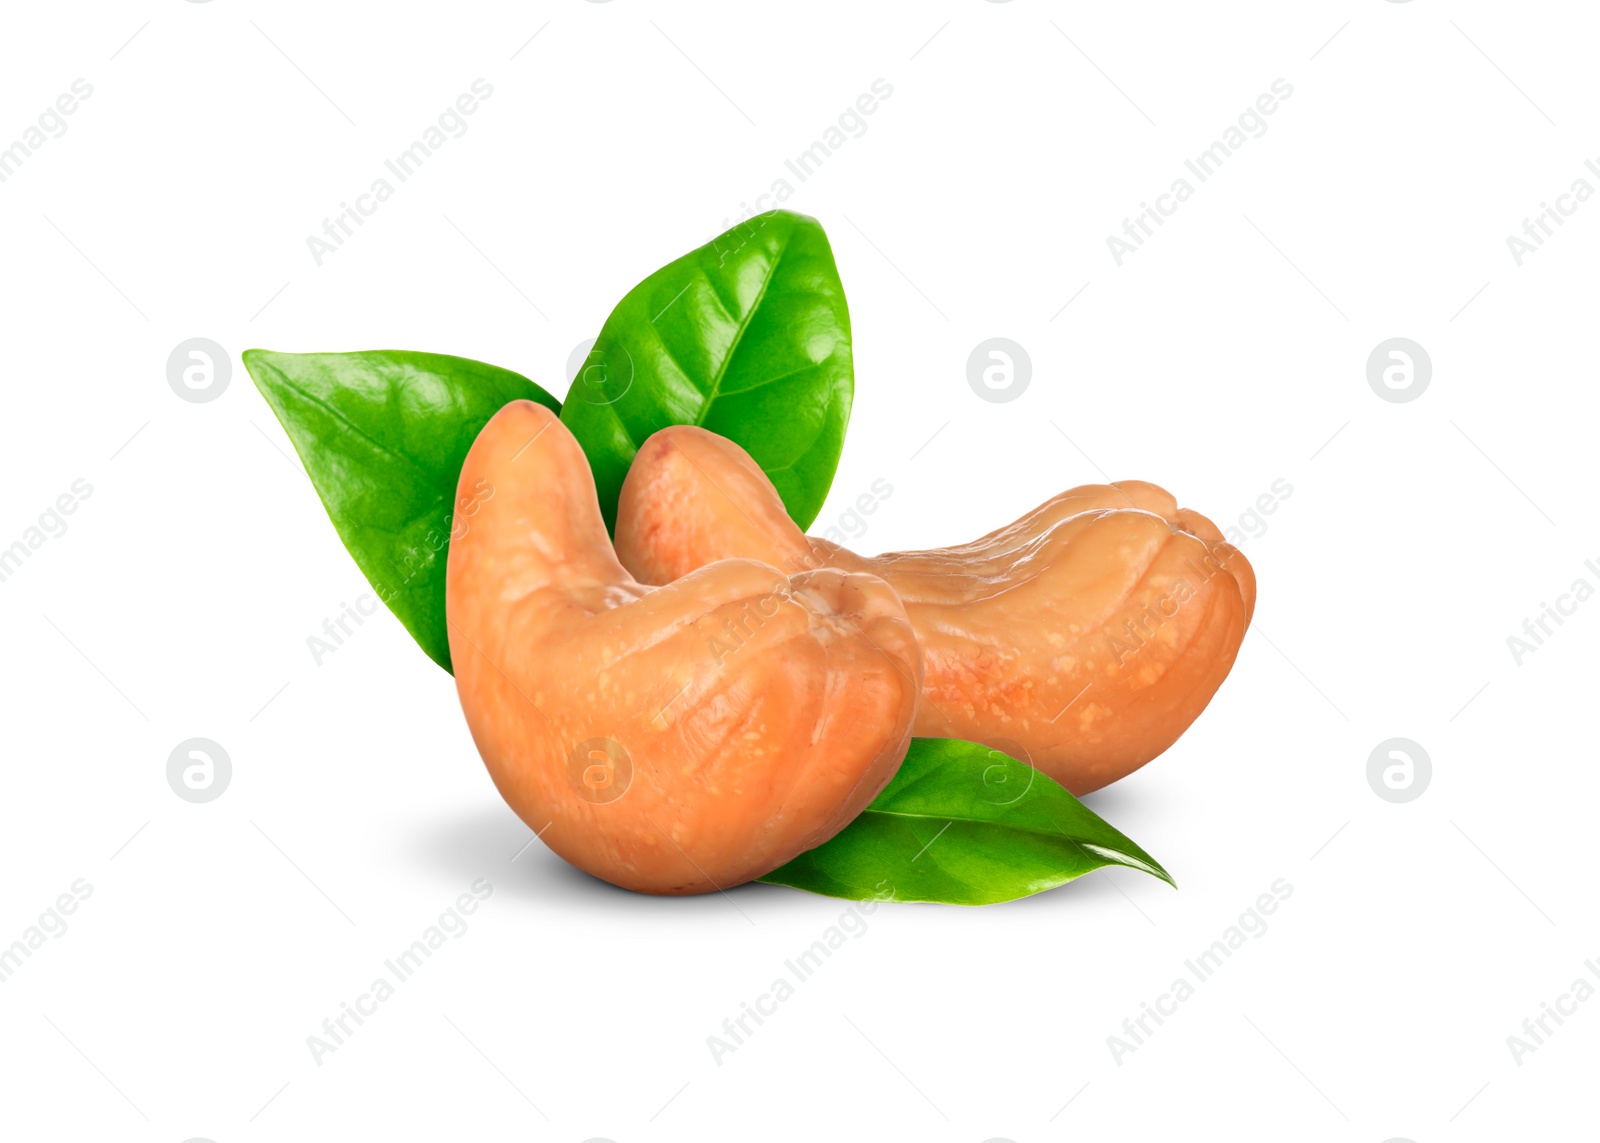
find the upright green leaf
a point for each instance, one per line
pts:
(383, 436)
(964, 825)
(747, 336)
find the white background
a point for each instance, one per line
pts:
(1226, 354)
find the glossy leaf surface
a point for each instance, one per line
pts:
(383, 435)
(749, 337)
(965, 825)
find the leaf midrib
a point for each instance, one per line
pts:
(738, 338)
(1016, 828)
(428, 479)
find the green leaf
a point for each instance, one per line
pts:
(964, 825)
(747, 336)
(383, 436)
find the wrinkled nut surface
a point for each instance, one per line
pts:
(669, 740)
(1089, 634)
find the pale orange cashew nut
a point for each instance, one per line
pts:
(1084, 638)
(669, 740)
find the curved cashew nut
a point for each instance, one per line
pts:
(670, 740)
(1084, 638)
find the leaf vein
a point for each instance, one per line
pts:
(744, 325)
